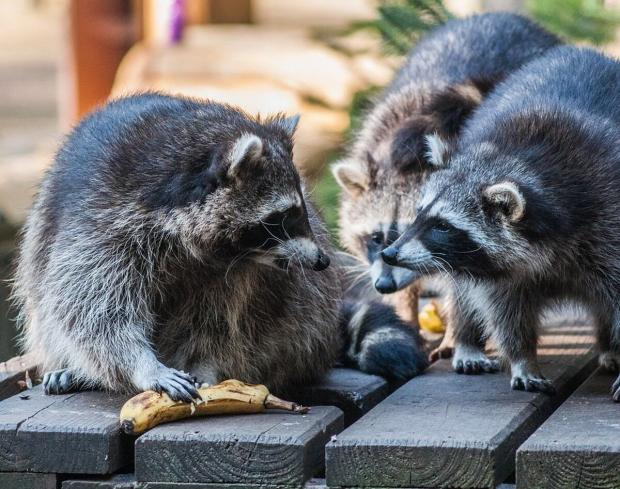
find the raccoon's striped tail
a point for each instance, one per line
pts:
(377, 341)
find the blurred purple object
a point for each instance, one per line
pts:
(176, 21)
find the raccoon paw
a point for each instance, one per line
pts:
(615, 390)
(530, 383)
(609, 361)
(471, 361)
(179, 386)
(59, 382)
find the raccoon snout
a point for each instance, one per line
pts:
(386, 284)
(322, 261)
(390, 255)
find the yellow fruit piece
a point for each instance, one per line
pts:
(148, 409)
(430, 320)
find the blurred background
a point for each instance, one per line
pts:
(324, 59)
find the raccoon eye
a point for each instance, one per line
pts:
(377, 237)
(441, 226)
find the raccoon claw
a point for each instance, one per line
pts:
(615, 390)
(532, 384)
(179, 386)
(58, 382)
(474, 364)
(440, 352)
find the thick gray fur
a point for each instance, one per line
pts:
(527, 212)
(133, 269)
(442, 81)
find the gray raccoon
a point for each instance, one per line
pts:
(443, 80)
(174, 235)
(527, 212)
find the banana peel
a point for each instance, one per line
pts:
(149, 409)
(430, 320)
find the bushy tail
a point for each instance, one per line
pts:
(377, 341)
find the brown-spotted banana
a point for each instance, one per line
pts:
(149, 409)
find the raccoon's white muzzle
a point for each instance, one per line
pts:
(412, 255)
(388, 279)
(303, 251)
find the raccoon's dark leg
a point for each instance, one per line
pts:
(446, 347)
(517, 317)
(607, 327)
(468, 317)
(609, 358)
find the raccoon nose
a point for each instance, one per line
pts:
(390, 255)
(385, 284)
(322, 262)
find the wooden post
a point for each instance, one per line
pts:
(230, 11)
(99, 33)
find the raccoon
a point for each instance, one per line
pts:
(444, 78)
(172, 243)
(526, 212)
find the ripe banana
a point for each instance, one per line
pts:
(148, 409)
(430, 320)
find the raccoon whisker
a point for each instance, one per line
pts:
(443, 262)
(288, 236)
(234, 261)
(265, 225)
(470, 251)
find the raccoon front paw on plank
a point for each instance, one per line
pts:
(532, 383)
(59, 382)
(179, 386)
(473, 363)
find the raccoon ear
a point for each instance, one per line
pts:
(248, 148)
(289, 124)
(452, 106)
(438, 150)
(505, 198)
(351, 177)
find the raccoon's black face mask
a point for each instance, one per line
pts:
(464, 225)
(385, 278)
(274, 227)
(235, 192)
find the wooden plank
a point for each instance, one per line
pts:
(21, 480)
(13, 372)
(189, 485)
(274, 448)
(311, 484)
(116, 481)
(352, 391)
(128, 481)
(14, 411)
(73, 433)
(447, 430)
(579, 445)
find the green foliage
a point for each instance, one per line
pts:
(577, 20)
(325, 195)
(401, 22)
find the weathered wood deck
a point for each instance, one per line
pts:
(438, 430)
